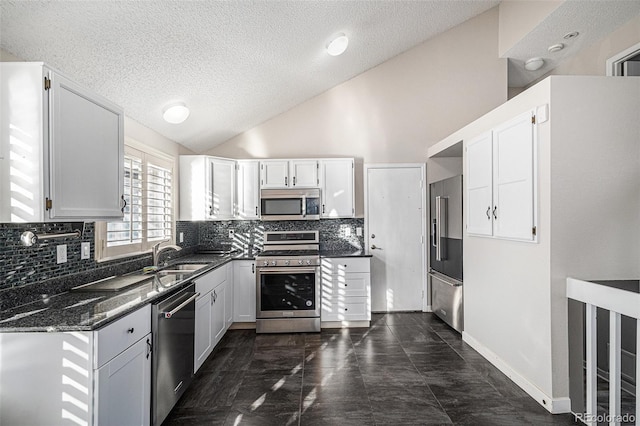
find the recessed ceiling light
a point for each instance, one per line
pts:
(338, 45)
(556, 48)
(533, 64)
(175, 113)
(573, 34)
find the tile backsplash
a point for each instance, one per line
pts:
(22, 266)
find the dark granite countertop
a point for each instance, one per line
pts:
(344, 253)
(89, 310)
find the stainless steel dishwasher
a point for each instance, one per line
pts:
(173, 327)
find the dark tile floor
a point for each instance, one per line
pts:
(408, 368)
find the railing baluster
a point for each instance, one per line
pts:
(592, 354)
(614, 367)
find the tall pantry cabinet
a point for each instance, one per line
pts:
(61, 148)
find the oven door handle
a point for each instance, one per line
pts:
(292, 269)
(172, 312)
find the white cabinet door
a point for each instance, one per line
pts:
(86, 153)
(337, 188)
(479, 185)
(244, 291)
(501, 181)
(124, 387)
(223, 188)
(217, 314)
(228, 297)
(196, 202)
(304, 173)
(248, 189)
(513, 186)
(274, 174)
(203, 343)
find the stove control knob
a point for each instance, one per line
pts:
(265, 263)
(273, 263)
(299, 262)
(308, 262)
(286, 263)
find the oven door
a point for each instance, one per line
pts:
(288, 293)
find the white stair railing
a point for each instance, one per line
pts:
(618, 302)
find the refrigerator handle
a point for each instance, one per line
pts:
(441, 216)
(434, 228)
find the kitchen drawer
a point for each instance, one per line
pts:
(211, 280)
(346, 285)
(346, 309)
(116, 337)
(341, 265)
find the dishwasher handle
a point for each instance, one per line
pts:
(172, 312)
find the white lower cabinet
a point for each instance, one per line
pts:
(244, 291)
(124, 387)
(346, 290)
(100, 377)
(214, 306)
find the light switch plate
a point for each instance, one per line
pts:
(85, 250)
(359, 231)
(61, 253)
(232, 233)
(182, 237)
(347, 232)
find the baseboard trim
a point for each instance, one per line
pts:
(344, 324)
(243, 326)
(553, 405)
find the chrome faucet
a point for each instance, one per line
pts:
(156, 250)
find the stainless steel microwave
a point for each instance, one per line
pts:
(290, 204)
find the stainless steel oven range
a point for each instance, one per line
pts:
(288, 283)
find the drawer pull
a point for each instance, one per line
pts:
(130, 330)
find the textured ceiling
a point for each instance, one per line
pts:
(239, 63)
(235, 63)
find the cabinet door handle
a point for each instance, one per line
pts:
(212, 299)
(253, 268)
(294, 181)
(323, 209)
(489, 213)
(130, 330)
(256, 210)
(149, 348)
(124, 203)
(285, 181)
(494, 212)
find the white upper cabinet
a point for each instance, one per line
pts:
(336, 178)
(501, 168)
(289, 174)
(248, 189)
(207, 188)
(64, 146)
(223, 188)
(479, 185)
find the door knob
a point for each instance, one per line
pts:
(373, 235)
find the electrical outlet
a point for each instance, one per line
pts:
(359, 231)
(85, 250)
(347, 232)
(61, 253)
(232, 233)
(182, 237)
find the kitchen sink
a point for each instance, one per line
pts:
(183, 268)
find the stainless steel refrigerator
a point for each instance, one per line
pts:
(445, 254)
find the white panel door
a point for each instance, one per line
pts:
(248, 189)
(244, 291)
(218, 318)
(274, 174)
(124, 387)
(513, 163)
(337, 188)
(304, 173)
(395, 215)
(86, 153)
(479, 185)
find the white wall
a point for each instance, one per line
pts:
(393, 111)
(519, 18)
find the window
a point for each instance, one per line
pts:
(148, 213)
